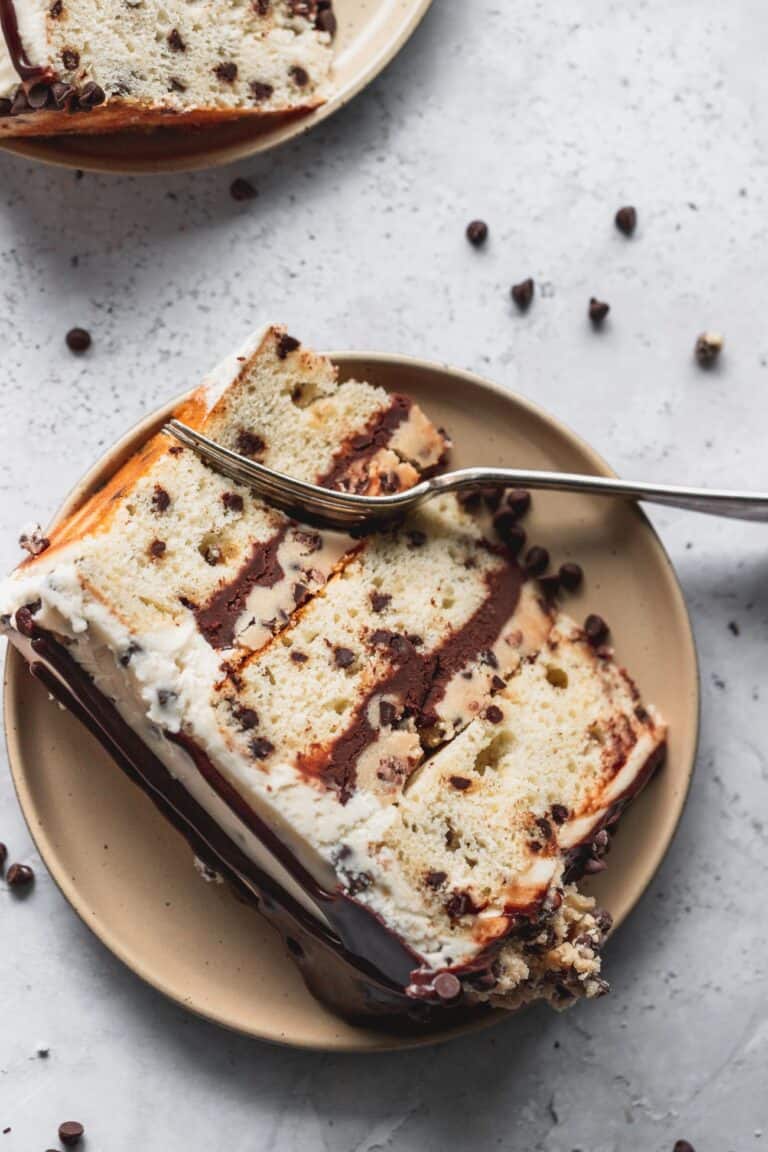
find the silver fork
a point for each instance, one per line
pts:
(343, 510)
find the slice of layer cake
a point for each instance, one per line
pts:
(103, 65)
(395, 745)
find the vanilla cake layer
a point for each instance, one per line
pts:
(396, 738)
(99, 65)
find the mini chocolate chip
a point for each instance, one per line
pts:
(598, 310)
(232, 501)
(343, 657)
(435, 878)
(299, 593)
(70, 59)
(312, 541)
(497, 684)
(34, 541)
(262, 748)
(708, 347)
(571, 576)
(544, 827)
(56, 9)
(249, 444)
(299, 75)
(161, 501)
(536, 561)
(157, 548)
(175, 41)
(477, 232)
(559, 813)
(458, 905)
(416, 538)
(326, 22)
(247, 718)
(286, 344)
(596, 630)
(19, 876)
(241, 189)
(508, 530)
(549, 586)
(380, 601)
(733, 627)
(226, 71)
(91, 95)
(494, 714)
(518, 502)
(683, 1146)
(260, 92)
(522, 294)
(447, 986)
(38, 96)
(626, 220)
(78, 340)
(176, 85)
(71, 1133)
(299, 657)
(3, 855)
(460, 783)
(64, 95)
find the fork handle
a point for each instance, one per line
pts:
(716, 502)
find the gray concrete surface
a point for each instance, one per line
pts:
(543, 118)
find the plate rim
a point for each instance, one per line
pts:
(38, 148)
(14, 667)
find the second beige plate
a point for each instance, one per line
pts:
(371, 33)
(130, 876)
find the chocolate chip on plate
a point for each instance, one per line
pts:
(683, 1146)
(518, 502)
(3, 854)
(571, 576)
(536, 561)
(19, 876)
(549, 585)
(598, 310)
(477, 232)
(241, 189)
(509, 531)
(78, 340)
(71, 1133)
(596, 630)
(522, 294)
(626, 220)
(708, 347)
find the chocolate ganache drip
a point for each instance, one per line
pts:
(32, 74)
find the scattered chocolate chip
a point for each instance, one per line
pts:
(458, 905)
(708, 347)
(34, 541)
(380, 601)
(71, 1133)
(232, 501)
(522, 294)
(226, 71)
(559, 813)
(299, 75)
(536, 561)
(343, 657)
(447, 986)
(38, 95)
(161, 501)
(549, 586)
(734, 628)
(241, 189)
(497, 684)
(260, 92)
(477, 232)
(19, 876)
(571, 576)
(286, 344)
(247, 718)
(508, 530)
(176, 85)
(683, 1146)
(157, 548)
(596, 630)
(91, 95)
(65, 98)
(460, 783)
(604, 921)
(544, 827)
(416, 538)
(249, 444)
(262, 748)
(518, 502)
(494, 714)
(299, 657)
(626, 220)
(326, 21)
(78, 340)
(175, 41)
(598, 310)
(434, 879)
(70, 59)
(299, 593)
(56, 9)
(3, 855)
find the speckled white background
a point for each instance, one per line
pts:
(543, 118)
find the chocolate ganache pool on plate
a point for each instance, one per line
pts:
(398, 747)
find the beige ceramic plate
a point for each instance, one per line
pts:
(130, 877)
(371, 33)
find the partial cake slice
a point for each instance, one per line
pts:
(88, 66)
(394, 745)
